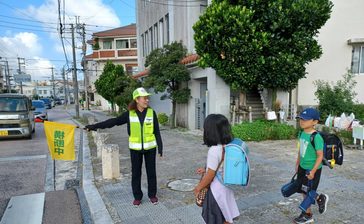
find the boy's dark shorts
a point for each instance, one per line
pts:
(303, 181)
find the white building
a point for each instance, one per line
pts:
(342, 41)
(159, 24)
(116, 45)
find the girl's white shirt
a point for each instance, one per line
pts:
(223, 195)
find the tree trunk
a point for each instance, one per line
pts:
(173, 116)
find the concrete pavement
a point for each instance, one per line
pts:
(272, 164)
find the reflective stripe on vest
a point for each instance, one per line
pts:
(141, 137)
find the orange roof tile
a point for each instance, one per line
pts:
(141, 74)
(190, 59)
(121, 31)
(186, 60)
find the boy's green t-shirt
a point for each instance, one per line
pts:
(308, 152)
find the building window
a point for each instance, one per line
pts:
(133, 43)
(357, 61)
(151, 38)
(107, 44)
(156, 36)
(203, 6)
(167, 28)
(146, 43)
(44, 92)
(122, 44)
(161, 33)
(142, 40)
(131, 69)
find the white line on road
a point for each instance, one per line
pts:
(15, 158)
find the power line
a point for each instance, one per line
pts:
(177, 5)
(28, 29)
(22, 24)
(127, 4)
(35, 21)
(29, 20)
(2, 3)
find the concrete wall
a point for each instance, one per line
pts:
(346, 22)
(181, 20)
(160, 106)
(218, 94)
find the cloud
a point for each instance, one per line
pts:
(25, 45)
(92, 12)
(22, 44)
(39, 68)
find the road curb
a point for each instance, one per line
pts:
(98, 210)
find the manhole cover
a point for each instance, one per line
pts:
(183, 184)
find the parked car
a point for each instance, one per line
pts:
(16, 116)
(40, 110)
(47, 102)
(58, 101)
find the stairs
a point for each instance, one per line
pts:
(254, 101)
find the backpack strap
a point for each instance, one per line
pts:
(222, 157)
(312, 139)
(324, 160)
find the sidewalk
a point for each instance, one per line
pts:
(272, 164)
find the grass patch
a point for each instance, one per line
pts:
(261, 130)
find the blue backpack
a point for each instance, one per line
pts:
(236, 168)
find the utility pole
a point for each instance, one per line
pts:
(53, 86)
(85, 78)
(75, 83)
(19, 72)
(64, 85)
(8, 77)
(7, 74)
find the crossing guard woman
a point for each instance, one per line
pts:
(144, 139)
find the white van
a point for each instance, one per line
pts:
(16, 116)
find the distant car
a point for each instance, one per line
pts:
(47, 102)
(40, 110)
(16, 116)
(58, 102)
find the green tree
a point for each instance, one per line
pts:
(113, 83)
(167, 74)
(126, 85)
(260, 43)
(336, 98)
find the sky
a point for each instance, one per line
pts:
(30, 30)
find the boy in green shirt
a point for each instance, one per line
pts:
(309, 164)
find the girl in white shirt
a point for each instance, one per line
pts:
(220, 205)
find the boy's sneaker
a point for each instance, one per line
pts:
(322, 202)
(304, 218)
(154, 200)
(136, 203)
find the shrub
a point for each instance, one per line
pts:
(345, 136)
(162, 118)
(263, 130)
(358, 110)
(336, 99)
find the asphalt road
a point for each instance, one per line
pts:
(23, 169)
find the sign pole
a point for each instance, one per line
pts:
(54, 174)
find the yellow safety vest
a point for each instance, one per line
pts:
(141, 137)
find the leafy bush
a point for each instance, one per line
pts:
(358, 110)
(263, 130)
(338, 98)
(162, 118)
(345, 136)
